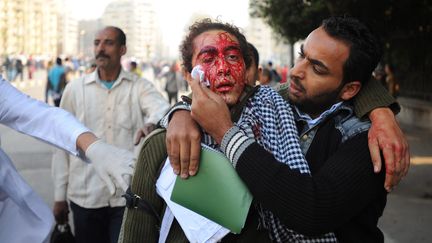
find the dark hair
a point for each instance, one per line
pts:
(199, 27)
(365, 49)
(267, 72)
(254, 54)
(121, 36)
(59, 61)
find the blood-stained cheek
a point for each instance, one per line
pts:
(238, 72)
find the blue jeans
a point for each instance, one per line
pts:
(97, 225)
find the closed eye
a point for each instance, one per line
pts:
(207, 59)
(318, 70)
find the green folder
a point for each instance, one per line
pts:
(216, 192)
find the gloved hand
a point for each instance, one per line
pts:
(113, 165)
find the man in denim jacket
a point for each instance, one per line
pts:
(344, 195)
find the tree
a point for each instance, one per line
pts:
(404, 26)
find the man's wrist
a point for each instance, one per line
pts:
(376, 114)
(84, 140)
(180, 106)
(234, 143)
(219, 134)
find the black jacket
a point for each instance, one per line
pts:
(343, 195)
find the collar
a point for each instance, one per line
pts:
(336, 108)
(94, 77)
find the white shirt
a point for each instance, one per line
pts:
(313, 121)
(114, 115)
(24, 217)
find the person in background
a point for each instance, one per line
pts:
(116, 105)
(9, 68)
(135, 69)
(284, 74)
(31, 67)
(380, 75)
(254, 70)
(275, 77)
(19, 68)
(69, 69)
(266, 78)
(391, 82)
(171, 85)
(56, 82)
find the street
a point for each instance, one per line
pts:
(407, 218)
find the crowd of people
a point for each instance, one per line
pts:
(310, 148)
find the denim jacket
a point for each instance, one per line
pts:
(345, 121)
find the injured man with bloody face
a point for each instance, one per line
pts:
(261, 113)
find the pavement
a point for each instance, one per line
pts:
(407, 217)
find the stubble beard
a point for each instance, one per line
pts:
(314, 106)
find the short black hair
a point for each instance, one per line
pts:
(201, 26)
(365, 48)
(254, 54)
(121, 36)
(58, 61)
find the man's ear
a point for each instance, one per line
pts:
(184, 72)
(350, 90)
(123, 50)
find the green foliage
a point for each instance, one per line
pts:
(404, 26)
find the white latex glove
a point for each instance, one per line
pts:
(113, 165)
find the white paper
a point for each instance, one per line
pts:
(196, 227)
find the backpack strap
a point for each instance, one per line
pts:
(136, 202)
(141, 220)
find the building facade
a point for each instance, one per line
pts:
(28, 27)
(37, 27)
(67, 29)
(269, 46)
(137, 18)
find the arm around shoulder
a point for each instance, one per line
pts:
(371, 96)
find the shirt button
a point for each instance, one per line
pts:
(304, 137)
(109, 127)
(109, 108)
